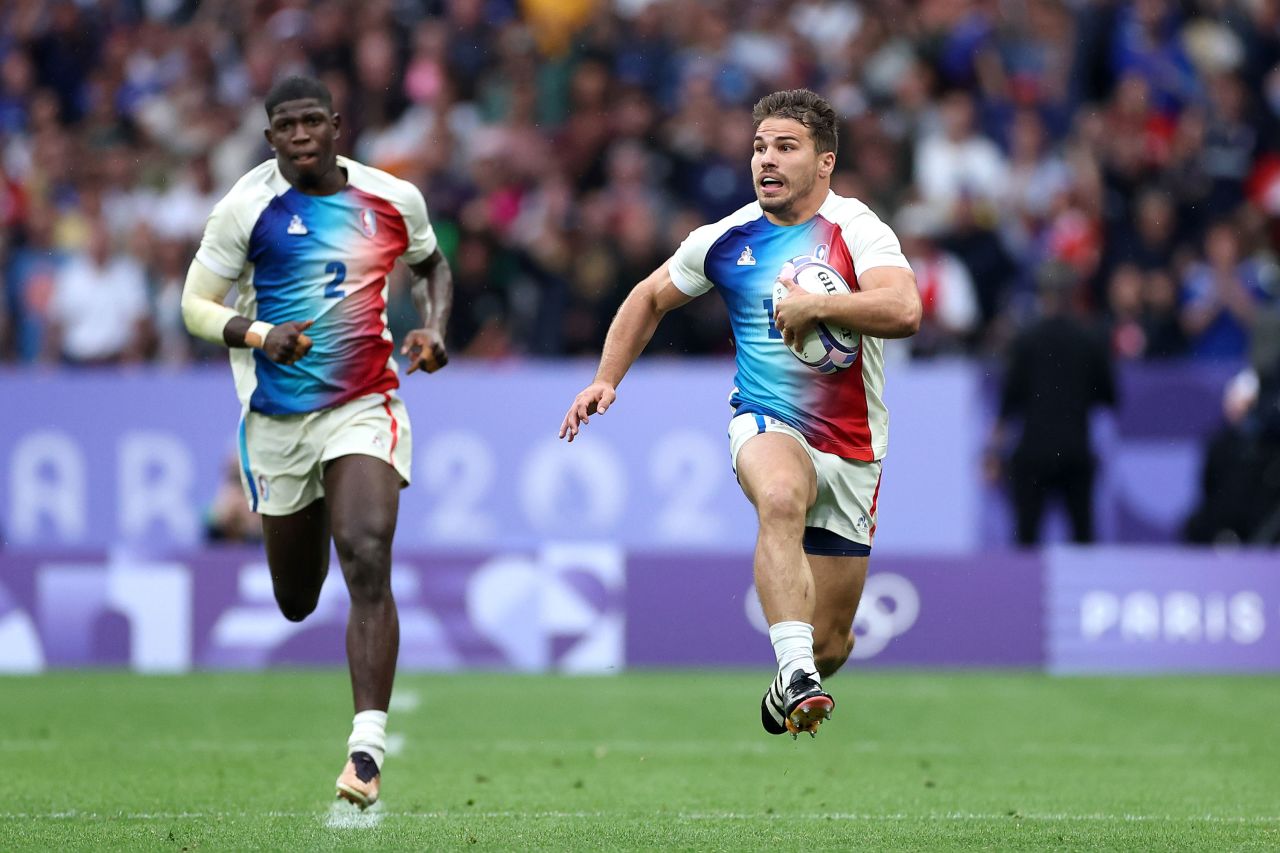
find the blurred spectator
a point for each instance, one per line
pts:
(1058, 372)
(1143, 314)
(594, 282)
(1124, 299)
(1037, 175)
(871, 156)
(1221, 296)
(29, 277)
(228, 518)
(1147, 44)
(646, 58)
(906, 86)
(958, 162)
(1160, 323)
(950, 305)
(481, 309)
(17, 84)
(1185, 176)
(993, 271)
(99, 311)
(181, 210)
(1230, 145)
(65, 52)
(721, 183)
(1147, 240)
(167, 274)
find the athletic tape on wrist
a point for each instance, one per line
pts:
(256, 335)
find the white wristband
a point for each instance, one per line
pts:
(256, 335)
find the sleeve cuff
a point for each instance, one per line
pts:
(215, 267)
(422, 252)
(865, 264)
(682, 282)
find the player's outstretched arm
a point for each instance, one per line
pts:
(206, 317)
(433, 295)
(629, 333)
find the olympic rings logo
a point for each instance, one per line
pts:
(889, 608)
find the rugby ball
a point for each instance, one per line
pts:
(828, 347)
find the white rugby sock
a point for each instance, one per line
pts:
(369, 734)
(793, 644)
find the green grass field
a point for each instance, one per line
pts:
(914, 761)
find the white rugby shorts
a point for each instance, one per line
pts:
(282, 457)
(847, 488)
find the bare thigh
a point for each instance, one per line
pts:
(776, 473)
(779, 479)
(364, 498)
(297, 548)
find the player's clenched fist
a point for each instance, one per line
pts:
(288, 342)
(596, 397)
(425, 349)
(795, 314)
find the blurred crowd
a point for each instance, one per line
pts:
(565, 147)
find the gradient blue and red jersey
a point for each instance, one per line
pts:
(300, 257)
(740, 256)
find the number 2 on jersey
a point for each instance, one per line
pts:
(338, 270)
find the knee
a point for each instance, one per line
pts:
(781, 502)
(366, 562)
(831, 651)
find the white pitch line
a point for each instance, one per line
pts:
(893, 748)
(396, 742)
(402, 702)
(405, 700)
(345, 816)
(679, 747)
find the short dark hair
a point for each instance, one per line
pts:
(809, 108)
(297, 88)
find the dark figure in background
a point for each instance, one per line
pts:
(1240, 479)
(1059, 370)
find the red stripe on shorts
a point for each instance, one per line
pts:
(395, 433)
(875, 497)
